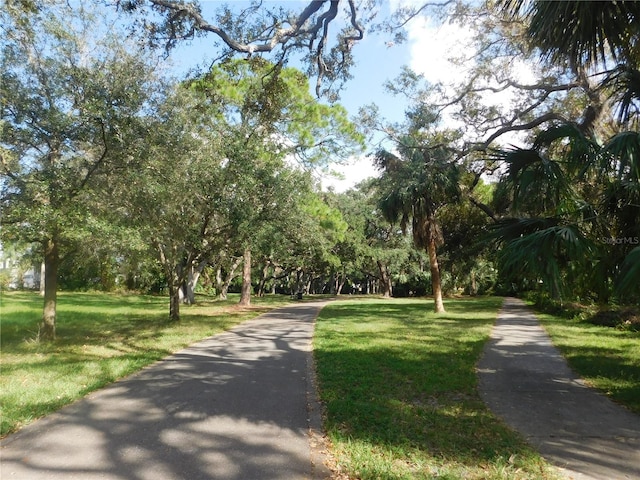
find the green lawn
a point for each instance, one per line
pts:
(101, 338)
(607, 358)
(398, 381)
(399, 386)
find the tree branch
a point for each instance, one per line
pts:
(8, 172)
(548, 117)
(280, 35)
(91, 170)
(483, 207)
(414, 13)
(271, 36)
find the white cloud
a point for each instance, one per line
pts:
(444, 53)
(433, 47)
(352, 173)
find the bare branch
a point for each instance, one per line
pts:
(548, 117)
(280, 36)
(310, 26)
(546, 88)
(413, 14)
(99, 161)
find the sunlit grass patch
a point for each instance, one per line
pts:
(101, 338)
(400, 390)
(607, 358)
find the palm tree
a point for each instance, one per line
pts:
(575, 209)
(571, 187)
(413, 186)
(582, 32)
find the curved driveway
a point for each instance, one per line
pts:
(239, 405)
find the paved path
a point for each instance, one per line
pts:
(526, 382)
(239, 405)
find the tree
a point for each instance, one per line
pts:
(269, 116)
(323, 228)
(176, 199)
(566, 191)
(574, 211)
(578, 182)
(413, 186)
(492, 102)
(373, 253)
(263, 29)
(580, 32)
(68, 117)
(464, 255)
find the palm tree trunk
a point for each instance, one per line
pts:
(436, 284)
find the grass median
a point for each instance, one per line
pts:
(101, 338)
(606, 357)
(399, 387)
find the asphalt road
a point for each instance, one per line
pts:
(242, 406)
(239, 405)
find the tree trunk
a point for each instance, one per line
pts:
(47, 328)
(436, 284)
(174, 301)
(222, 293)
(264, 278)
(193, 275)
(385, 278)
(245, 295)
(341, 280)
(474, 286)
(42, 274)
(174, 275)
(298, 288)
(222, 285)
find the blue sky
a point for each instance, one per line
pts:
(377, 61)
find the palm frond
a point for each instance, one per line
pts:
(584, 32)
(385, 160)
(509, 229)
(545, 254)
(517, 158)
(623, 154)
(624, 82)
(534, 179)
(628, 282)
(579, 152)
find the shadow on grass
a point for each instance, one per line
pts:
(604, 356)
(404, 411)
(396, 377)
(100, 338)
(85, 318)
(231, 407)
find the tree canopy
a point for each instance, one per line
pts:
(67, 118)
(190, 179)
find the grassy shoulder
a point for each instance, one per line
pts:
(101, 338)
(606, 356)
(400, 390)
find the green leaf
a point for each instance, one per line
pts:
(628, 282)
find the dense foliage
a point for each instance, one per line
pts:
(118, 177)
